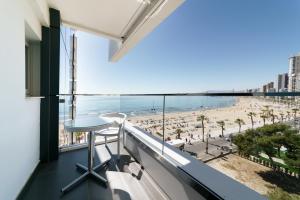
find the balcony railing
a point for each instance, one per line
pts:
(181, 129)
(163, 114)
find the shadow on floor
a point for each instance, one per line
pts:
(51, 177)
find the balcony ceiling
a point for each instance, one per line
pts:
(104, 16)
(124, 21)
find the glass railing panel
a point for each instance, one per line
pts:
(247, 138)
(83, 106)
(145, 113)
(65, 60)
(186, 115)
(65, 138)
(211, 128)
(183, 115)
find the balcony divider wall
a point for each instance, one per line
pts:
(50, 59)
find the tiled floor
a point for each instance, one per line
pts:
(122, 184)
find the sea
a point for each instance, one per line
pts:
(142, 105)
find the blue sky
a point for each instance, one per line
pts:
(204, 45)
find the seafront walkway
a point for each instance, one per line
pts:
(216, 143)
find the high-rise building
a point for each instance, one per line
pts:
(285, 81)
(294, 73)
(264, 88)
(282, 82)
(270, 87)
(279, 81)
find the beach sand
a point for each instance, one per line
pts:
(187, 121)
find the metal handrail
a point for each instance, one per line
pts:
(280, 94)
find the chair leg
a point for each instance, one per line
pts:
(123, 132)
(119, 146)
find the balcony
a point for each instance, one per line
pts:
(144, 173)
(151, 165)
(126, 178)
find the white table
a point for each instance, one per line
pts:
(89, 125)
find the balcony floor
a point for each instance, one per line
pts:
(126, 179)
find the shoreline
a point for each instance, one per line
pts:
(186, 120)
(177, 111)
(183, 111)
(158, 110)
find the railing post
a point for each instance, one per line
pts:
(163, 141)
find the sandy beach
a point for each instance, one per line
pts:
(187, 121)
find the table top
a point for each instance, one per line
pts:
(87, 124)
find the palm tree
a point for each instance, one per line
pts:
(251, 115)
(202, 118)
(239, 122)
(206, 146)
(266, 112)
(264, 117)
(273, 116)
(178, 132)
(221, 124)
(288, 115)
(295, 110)
(281, 116)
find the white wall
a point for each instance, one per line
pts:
(19, 116)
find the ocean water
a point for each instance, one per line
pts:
(143, 105)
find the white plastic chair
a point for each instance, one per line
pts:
(115, 129)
